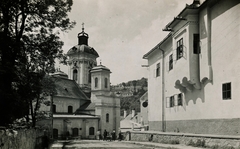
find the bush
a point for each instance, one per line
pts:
(199, 143)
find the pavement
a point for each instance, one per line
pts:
(115, 144)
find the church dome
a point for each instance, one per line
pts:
(82, 46)
(82, 49)
(61, 74)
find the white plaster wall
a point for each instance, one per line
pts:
(154, 88)
(208, 103)
(63, 103)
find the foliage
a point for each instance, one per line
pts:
(138, 88)
(30, 43)
(198, 143)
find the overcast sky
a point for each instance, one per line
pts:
(122, 31)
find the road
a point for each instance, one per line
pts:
(96, 144)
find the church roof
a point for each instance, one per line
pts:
(82, 49)
(100, 68)
(68, 88)
(87, 106)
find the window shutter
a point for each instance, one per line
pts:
(174, 55)
(184, 52)
(167, 102)
(167, 66)
(175, 99)
(154, 73)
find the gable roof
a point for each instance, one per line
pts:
(68, 88)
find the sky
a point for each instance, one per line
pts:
(121, 31)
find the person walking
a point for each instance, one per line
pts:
(105, 135)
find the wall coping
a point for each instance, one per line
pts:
(187, 134)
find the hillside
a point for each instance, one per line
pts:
(130, 93)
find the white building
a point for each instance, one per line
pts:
(194, 72)
(83, 106)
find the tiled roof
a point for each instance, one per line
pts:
(68, 88)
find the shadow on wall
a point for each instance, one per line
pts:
(195, 94)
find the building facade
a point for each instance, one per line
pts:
(84, 106)
(194, 71)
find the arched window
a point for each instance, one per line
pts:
(70, 109)
(96, 82)
(89, 76)
(75, 132)
(91, 131)
(75, 72)
(107, 117)
(54, 108)
(106, 82)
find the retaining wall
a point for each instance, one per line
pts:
(21, 139)
(184, 138)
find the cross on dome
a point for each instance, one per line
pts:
(83, 27)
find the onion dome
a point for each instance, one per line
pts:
(82, 46)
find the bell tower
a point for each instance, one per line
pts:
(100, 79)
(81, 59)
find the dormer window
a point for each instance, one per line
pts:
(180, 48)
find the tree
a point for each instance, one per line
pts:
(30, 43)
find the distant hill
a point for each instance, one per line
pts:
(130, 92)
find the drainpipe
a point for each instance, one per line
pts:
(163, 92)
(209, 29)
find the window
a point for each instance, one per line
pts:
(75, 132)
(91, 131)
(180, 103)
(55, 133)
(196, 46)
(106, 82)
(226, 91)
(179, 48)
(54, 108)
(158, 70)
(171, 101)
(107, 117)
(171, 62)
(96, 82)
(70, 109)
(75, 72)
(89, 76)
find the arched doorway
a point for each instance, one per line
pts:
(55, 133)
(75, 132)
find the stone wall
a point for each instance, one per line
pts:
(203, 126)
(199, 140)
(21, 139)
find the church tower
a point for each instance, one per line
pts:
(100, 79)
(82, 58)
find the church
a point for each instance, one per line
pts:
(84, 106)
